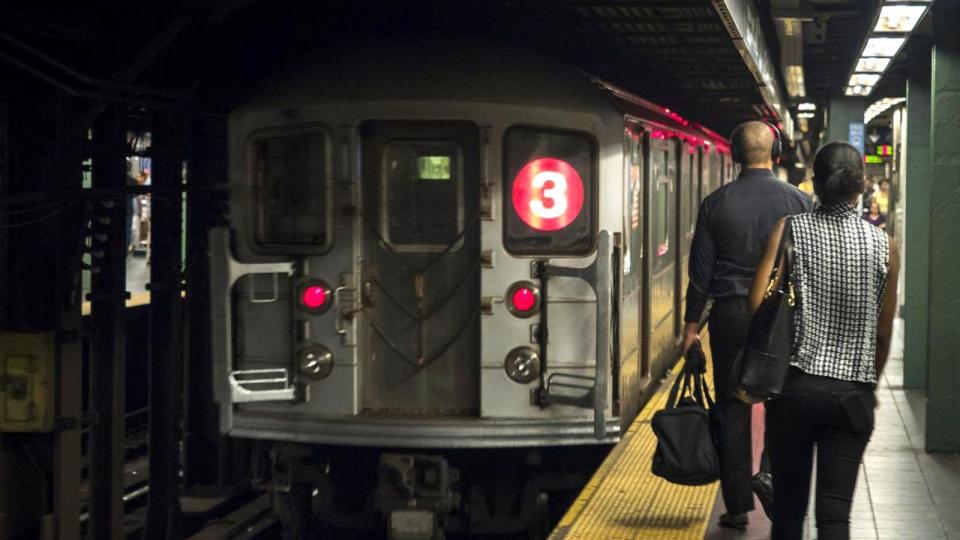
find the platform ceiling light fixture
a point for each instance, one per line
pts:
(807, 107)
(864, 79)
(899, 18)
(892, 24)
(872, 65)
(886, 47)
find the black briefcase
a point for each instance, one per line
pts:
(686, 451)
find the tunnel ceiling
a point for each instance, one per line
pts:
(674, 52)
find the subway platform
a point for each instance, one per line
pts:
(903, 492)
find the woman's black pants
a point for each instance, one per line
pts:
(837, 417)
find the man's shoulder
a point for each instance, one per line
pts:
(791, 191)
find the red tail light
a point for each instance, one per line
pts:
(315, 296)
(523, 299)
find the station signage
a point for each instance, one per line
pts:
(547, 194)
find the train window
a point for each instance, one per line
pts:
(422, 194)
(292, 177)
(549, 192)
(632, 239)
(662, 230)
(694, 193)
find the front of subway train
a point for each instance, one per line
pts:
(418, 277)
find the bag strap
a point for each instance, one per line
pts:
(675, 390)
(784, 259)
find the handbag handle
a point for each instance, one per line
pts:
(697, 371)
(784, 258)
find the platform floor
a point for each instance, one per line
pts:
(624, 500)
(902, 492)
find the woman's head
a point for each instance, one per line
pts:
(874, 207)
(837, 173)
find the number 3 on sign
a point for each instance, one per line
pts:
(553, 201)
(547, 194)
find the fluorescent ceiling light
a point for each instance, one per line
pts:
(895, 18)
(872, 65)
(883, 46)
(805, 115)
(858, 90)
(863, 79)
(795, 82)
(807, 107)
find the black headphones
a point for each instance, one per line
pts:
(775, 151)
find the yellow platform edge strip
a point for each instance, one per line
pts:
(624, 500)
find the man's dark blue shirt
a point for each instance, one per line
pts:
(733, 227)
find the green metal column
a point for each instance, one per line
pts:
(943, 420)
(917, 227)
(843, 112)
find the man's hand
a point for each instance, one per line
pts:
(691, 335)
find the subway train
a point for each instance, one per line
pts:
(451, 273)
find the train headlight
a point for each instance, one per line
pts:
(522, 365)
(315, 361)
(523, 299)
(315, 296)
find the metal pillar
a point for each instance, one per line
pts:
(916, 232)
(211, 460)
(165, 331)
(64, 523)
(845, 114)
(108, 345)
(943, 422)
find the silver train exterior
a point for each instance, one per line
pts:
(406, 224)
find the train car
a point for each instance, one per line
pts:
(449, 273)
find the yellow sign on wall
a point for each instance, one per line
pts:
(26, 381)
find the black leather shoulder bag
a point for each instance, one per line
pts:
(765, 356)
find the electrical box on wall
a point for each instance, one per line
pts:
(26, 381)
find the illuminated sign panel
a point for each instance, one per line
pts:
(433, 167)
(549, 192)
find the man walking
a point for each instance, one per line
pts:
(732, 231)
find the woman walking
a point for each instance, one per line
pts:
(841, 342)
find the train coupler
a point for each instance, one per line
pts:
(416, 493)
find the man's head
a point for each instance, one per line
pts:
(753, 142)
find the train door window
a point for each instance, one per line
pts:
(549, 191)
(632, 196)
(662, 208)
(421, 192)
(662, 230)
(694, 186)
(292, 187)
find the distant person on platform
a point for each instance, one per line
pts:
(882, 196)
(731, 235)
(874, 217)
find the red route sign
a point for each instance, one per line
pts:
(548, 194)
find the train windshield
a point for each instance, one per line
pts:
(291, 185)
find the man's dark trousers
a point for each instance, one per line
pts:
(728, 323)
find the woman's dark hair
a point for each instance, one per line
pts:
(837, 173)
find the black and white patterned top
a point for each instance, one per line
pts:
(840, 275)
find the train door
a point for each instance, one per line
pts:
(660, 260)
(420, 351)
(634, 373)
(688, 192)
